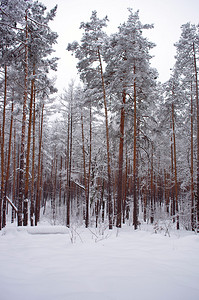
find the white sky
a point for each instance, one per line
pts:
(166, 15)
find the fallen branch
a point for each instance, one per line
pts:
(12, 204)
(78, 184)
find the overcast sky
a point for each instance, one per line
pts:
(166, 15)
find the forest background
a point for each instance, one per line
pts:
(125, 148)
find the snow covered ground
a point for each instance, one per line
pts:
(44, 264)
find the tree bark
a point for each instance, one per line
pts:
(124, 204)
(85, 176)
(135, 208)
(175, 168)
(89, 165)
(2, 145)
(37, 207)
(25, 220)
(60, 182)
(152, 187)
(23, 129)
(197, 112)
(166, 196)
(32, 208)
(69, 170)
(14, 175)
(8, 168)
(120, 164)
(193, 225)
(54, 186)
(173, 205)
(110, 206)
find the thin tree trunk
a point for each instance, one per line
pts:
(120, 164)
(135, 208)
(175, 167)
(37, 209)
(33, 167)
(60, 182)
(8, 167)
(25, 221)
(2, 145)
(54, 187)
(65, 179)
(23, 129)
(152, 187)
(146, 194)
(89, 166)
(85, 177)
(124, 204)
(166, 196)
(129, 186)
(197, 112)
(102, 201)
(41, 181)
(193, 225)
(173, 206)
(114, 189)
(69, 171)
(51, 186)
(67, 155)
(14, 176)
(110, 206)
(17, 175)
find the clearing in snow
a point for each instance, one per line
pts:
(53, 262)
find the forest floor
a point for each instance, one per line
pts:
(54, 263)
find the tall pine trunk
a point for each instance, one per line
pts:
(135, 204)
(25, 221)
(197, 112)
(70, 140)
(37, 206)
(124, 204)
(54, 178)
(8, 168)
(152, 187)
(60, 182)
(85, 176)
(23, 129)
(89, 166)
(14, 175)
(120, 163)
(110, 206)
(175, 168)
(2, 145)
(173, 206)
(32, 204)
(193, 225)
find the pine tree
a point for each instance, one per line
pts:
(89, 52)
(129, 75)
(186, 73)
